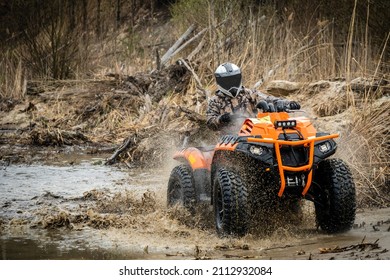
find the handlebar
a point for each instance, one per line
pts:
(270, 107)
(280, 106)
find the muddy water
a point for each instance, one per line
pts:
(81, 209)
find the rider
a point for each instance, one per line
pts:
(232, 99)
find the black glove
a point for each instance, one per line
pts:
(294, 105)
(225, 118)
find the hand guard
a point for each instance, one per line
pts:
(294, 105)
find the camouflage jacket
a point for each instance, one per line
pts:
(244, 104)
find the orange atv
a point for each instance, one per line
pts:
(274, 160)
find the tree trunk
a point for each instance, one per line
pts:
(98, 18)
(85, 20)
(118, 13)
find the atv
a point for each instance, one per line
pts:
(274, 161)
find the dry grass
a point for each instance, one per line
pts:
(366, 149)
(265, 46)
(364, 131)
(12, 78)
(273, 50)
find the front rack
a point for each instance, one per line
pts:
(308, 167)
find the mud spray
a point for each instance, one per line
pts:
(88, 210)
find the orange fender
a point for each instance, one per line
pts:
(195, 158)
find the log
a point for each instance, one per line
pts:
(196, 50)
(193, 116)
(130, 141)
(177, 44)
(134, 139)
(196, 77)
(188, 42)
(282, 88)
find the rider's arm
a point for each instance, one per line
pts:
(213, 114)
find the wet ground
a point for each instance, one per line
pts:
(74, 207)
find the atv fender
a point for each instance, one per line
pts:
(195, 158)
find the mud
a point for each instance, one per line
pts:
(74, 207)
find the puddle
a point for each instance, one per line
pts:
(58, 211)
(53, 247)
(77, 208)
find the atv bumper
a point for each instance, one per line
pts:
(304, 168)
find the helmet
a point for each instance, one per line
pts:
(228, 77)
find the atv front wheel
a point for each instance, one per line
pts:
(181, 187)
(335, 202)
(230, 201)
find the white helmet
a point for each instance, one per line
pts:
(228, 77)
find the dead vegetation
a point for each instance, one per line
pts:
(151, 114)
(362, 246)
(98, 209)
(359, 111)
(143, 97)
(103, 209)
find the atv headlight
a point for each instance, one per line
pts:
(256, 150)
(324, 147)
(285, 124)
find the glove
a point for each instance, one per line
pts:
(294, 105)
(225, 118)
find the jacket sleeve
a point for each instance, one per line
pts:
(212, 114)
